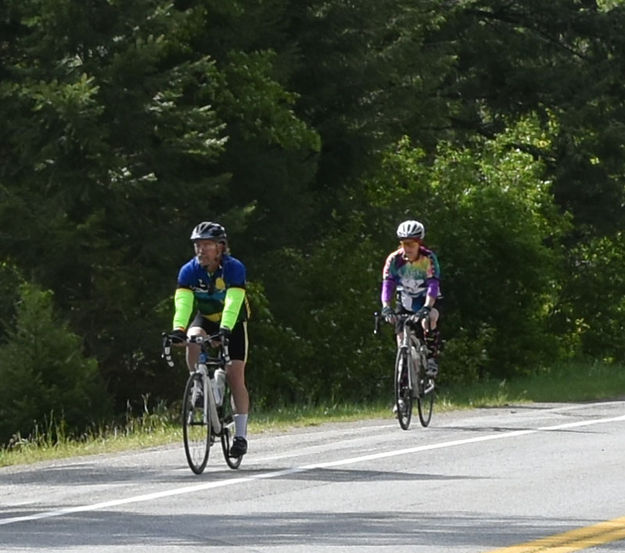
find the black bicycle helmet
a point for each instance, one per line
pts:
(209, 231)
(410, 229)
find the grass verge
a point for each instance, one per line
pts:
(565, 383)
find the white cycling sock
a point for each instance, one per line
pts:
(240, 425)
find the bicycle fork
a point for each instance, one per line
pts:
(210, 406)
(411, 359)
(406, 351)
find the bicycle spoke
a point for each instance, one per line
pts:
(196, 427)
(403, 396)
(425, 396)
(227, 432)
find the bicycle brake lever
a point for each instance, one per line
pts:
(225, 353)
(166, 353)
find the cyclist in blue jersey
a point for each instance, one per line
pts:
(214, 282)
(414, 269)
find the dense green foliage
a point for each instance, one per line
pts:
(310, 129)
(43, 372)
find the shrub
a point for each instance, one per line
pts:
(46, 380)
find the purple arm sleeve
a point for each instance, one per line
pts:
(388, 288)
(433, 288)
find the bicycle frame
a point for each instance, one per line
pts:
(408, 336)
(205, 367)
(411, 339)
(214, 420)
(412, 350)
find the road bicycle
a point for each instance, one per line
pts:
(207, 407)
(411, 381)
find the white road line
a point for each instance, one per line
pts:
(305, 468)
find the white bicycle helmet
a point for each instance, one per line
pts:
(209, 231)
(410, 229)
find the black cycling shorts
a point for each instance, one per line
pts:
(238, 344)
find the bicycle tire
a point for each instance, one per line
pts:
(196, 426)
(425, 393)
(227, 431)
(403, 394)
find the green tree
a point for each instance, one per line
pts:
(560, 59)
(115, 116)
(594, 327)
(491, 219)
(370, 74)
(46, 379)
(108, 120)
(271, 152)
(284, 120)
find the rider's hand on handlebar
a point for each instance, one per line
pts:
(388, 314)
(224, 334)
(178, 336)
(424, 312)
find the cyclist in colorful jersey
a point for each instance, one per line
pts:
(214, 282)
(414, 269)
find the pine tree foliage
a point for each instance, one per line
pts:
(311, 128)
(47, 382)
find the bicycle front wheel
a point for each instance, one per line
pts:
(403, 395)
(227, 431)
(196, 424)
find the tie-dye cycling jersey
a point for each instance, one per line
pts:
(209, 289)
(416, 279)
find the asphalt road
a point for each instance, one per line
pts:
(473, 482)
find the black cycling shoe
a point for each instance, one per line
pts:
(431, 369)
(239, 447)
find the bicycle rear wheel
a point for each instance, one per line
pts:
(403, 396)
(227, 431)
(425, 393)
(196, 424)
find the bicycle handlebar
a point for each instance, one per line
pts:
(201, 340)
(166, 353)
(376, 323)
(210, 339)
(404, 317)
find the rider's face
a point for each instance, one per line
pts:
(411, 248)
(207, 251)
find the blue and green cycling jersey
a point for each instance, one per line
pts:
(218, 296)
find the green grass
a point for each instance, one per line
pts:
(566, 383)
